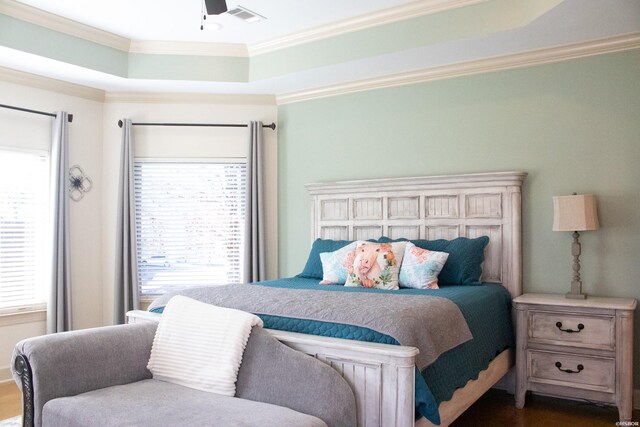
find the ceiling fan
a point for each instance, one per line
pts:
(217, 7)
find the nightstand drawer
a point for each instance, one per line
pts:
(572, 370)
(580, 330)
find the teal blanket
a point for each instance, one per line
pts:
(486, 308)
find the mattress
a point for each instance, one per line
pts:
(486, 308)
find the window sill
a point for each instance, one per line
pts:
(30, 315)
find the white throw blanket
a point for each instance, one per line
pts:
(200, 345)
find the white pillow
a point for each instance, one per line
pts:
(336, 264)
(376, 265)
(200, 345)
(420, 267)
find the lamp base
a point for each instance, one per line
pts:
(571, 295)
(576, 291)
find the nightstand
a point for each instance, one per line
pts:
(580, 349)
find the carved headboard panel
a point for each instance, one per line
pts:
(429, 207)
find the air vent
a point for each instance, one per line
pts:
(245, 14)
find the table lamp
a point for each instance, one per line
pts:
(575, 213)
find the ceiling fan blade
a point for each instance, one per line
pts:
(215, 7)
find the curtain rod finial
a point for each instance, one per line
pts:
(70, 118)
(272, 126)
(120, 123)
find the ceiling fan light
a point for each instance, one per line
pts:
(212, 25)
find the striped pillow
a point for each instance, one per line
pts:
(200, 346)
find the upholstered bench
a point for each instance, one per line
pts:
(98, 377)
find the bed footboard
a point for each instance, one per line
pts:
(382, 376)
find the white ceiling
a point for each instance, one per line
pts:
(572, 21)
(179, 20)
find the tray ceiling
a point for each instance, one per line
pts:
(157, 46)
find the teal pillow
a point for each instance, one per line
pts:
(313, 267)
(464, 265)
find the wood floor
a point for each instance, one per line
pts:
(10, 400)
(494, 409)
(497, 408)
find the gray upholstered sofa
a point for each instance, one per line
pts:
(98, 377)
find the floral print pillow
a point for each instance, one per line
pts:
(420, 267)
(376, 265)
(336, 264)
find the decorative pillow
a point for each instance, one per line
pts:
(313, 267)
(376, 265)
(464, 265)
(336, 264)
(200, 345)
(420, 267)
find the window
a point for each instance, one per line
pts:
(190, 224)
(24, 212)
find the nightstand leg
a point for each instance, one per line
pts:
(624, 398)
(625, 413)
(521, 358)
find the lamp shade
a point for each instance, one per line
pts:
(575, 213)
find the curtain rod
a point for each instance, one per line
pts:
(11, 107)
(272, 126)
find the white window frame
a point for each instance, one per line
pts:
(34, 311)
(146, 298)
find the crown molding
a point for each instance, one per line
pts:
(188, 48)
(73, 28)
(357, 23)
(189, 98)
(67, 26)
(46, 83)
(498, 63)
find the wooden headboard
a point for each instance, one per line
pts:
(429, 207)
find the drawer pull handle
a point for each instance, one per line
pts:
(570, 331)
(569, 371)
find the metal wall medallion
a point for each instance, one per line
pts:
(79, 183)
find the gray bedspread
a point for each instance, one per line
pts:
(432, 324)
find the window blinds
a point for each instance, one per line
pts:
(190, 224)
(24, 208)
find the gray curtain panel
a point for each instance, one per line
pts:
(254, 252)
(126, 277)
(59, 303)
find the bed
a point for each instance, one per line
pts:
(383, 375)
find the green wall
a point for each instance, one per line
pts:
(42, 41)
(573, 126)
(486, 17)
